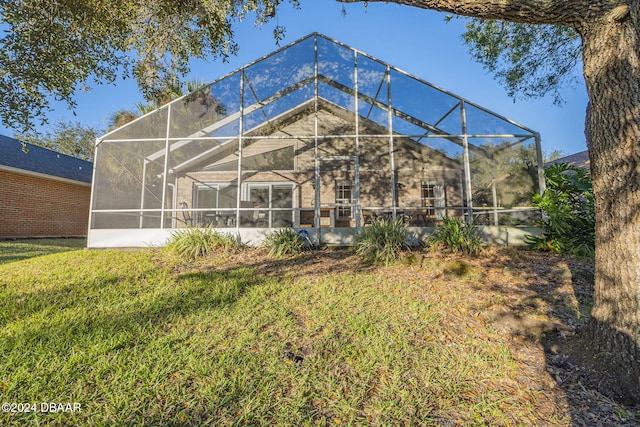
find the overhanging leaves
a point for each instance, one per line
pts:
(53, 48)
(528, 60)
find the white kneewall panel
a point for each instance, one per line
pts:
(140, 238)
(127, 238)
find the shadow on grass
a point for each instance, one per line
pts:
(111, 307)
(306, 264)
(118, 303)
(129, 311)
(17, 250)
(552, 307)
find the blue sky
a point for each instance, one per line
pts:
(414, 40)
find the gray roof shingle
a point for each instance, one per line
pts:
(44, 161)
(580, 160)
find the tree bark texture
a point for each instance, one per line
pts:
(610, 32)
(611, 55)
(564, 12)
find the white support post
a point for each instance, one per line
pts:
(144, 174)
(356, 195)
(93, 189)
(166, 167)
(240, 134)
(541, 182)
(316, 213)
(392, 163)
(467, 166)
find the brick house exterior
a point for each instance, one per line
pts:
(42, 193)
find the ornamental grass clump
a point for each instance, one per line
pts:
(193, 242)
(457, 236)
(382, 241)
(286, 242)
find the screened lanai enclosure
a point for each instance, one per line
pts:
(317, 136)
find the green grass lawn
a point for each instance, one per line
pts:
(16, 250)
(138, 338)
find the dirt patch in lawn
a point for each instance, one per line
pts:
(537, 302)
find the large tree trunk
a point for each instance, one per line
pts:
(611, 49)
(612, 72)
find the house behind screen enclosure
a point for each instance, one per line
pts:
(316, 136)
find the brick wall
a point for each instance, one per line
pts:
(37, 207)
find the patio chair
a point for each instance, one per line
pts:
(261, 219)
(424, 218)
(186, 215)
(405, 217)
(307, 218)
(367, 216)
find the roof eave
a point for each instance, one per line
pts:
(43, 175)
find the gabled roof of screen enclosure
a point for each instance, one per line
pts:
(249, 100)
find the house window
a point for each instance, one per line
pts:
(433, 198)
(344, 196)
(268, 196)
(205, 196)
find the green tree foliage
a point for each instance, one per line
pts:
(122, 117)
(170, 91)
(569, 213)
(55, 47)
(71, 138)
(528, 60)
(507, 171)
(504, 175)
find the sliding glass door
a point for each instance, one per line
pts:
(267, 196)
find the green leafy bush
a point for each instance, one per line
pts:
(569, 212)
(286, 242)
(457, 236)
(193, 242)
(382, 241)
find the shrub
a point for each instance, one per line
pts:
(457, 236)
(382, 241)
(193, 242)
(286, 242)
(569, 212)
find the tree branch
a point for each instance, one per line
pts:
(563, 12)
